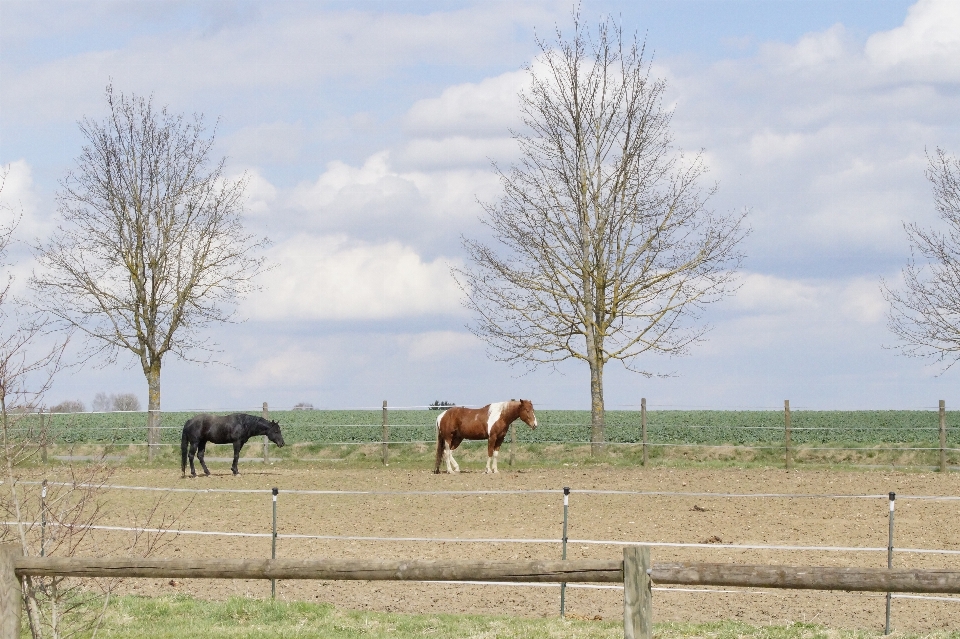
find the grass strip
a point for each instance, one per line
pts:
(185, 617)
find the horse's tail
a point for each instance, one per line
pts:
(183, 451)
(436, 469)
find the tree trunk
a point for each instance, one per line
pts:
(596, 408)
(153, 408)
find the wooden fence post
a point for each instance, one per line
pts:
(266, 441)
(788, 453)
(10, 593)
(943, 436)
(386, 436)
(643, 428)
(637, 593)
(43, 438)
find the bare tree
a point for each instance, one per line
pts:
(605, 247)
(151, 248)
(125, 402)
(102, 403)
(57, 519)
(925, 313)
(69, 406)
(122, 402)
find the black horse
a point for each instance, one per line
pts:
(233, 429)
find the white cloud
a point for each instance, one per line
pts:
(856, 299)
(823, 141)
(446, 344)
(19, 201)
(456, 151)
(767, 294)
(375, 200)
(336, 278)
(272, 142)
(860, 299)
(486, 108)
(768, 146)
(927, 44)
(282, 48)
(260, 194)
(815, 50)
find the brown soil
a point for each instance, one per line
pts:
(820, 521)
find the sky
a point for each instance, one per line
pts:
(367, 132)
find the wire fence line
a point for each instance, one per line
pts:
(564, 542)
(504, 540)
(517, 491)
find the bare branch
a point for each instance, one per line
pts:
(925, 313)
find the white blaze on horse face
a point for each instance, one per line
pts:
(493, 415)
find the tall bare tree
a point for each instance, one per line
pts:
(604, 247)
(151, 248)
(925, 313)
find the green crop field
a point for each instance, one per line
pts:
(831, 437)
(555, 426)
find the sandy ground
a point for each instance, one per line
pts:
(660, 518)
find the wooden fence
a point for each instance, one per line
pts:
(635, 572)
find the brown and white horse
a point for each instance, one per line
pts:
(490, 422)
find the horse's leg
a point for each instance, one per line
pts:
(448, 457)
(201, 450)
(496, 450)
(236, 457)
(193, 452)
(441, 452)
(453, 446)
(491, 451)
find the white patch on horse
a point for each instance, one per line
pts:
(439, 417)
(493, 415)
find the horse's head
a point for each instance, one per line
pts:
(527, 414)
(274, 434)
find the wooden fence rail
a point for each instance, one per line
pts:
(635, 572)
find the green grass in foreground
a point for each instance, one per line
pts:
(184, 617)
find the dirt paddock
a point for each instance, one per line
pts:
(715, 520)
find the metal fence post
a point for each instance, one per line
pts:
(637, 593)
(787, 432)
(943, 436)
(893, 496)
(273, 551)
(266, 441)
(643, 428)
(43, 438)
(384, 453)
(563, 552)
(43, 518)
